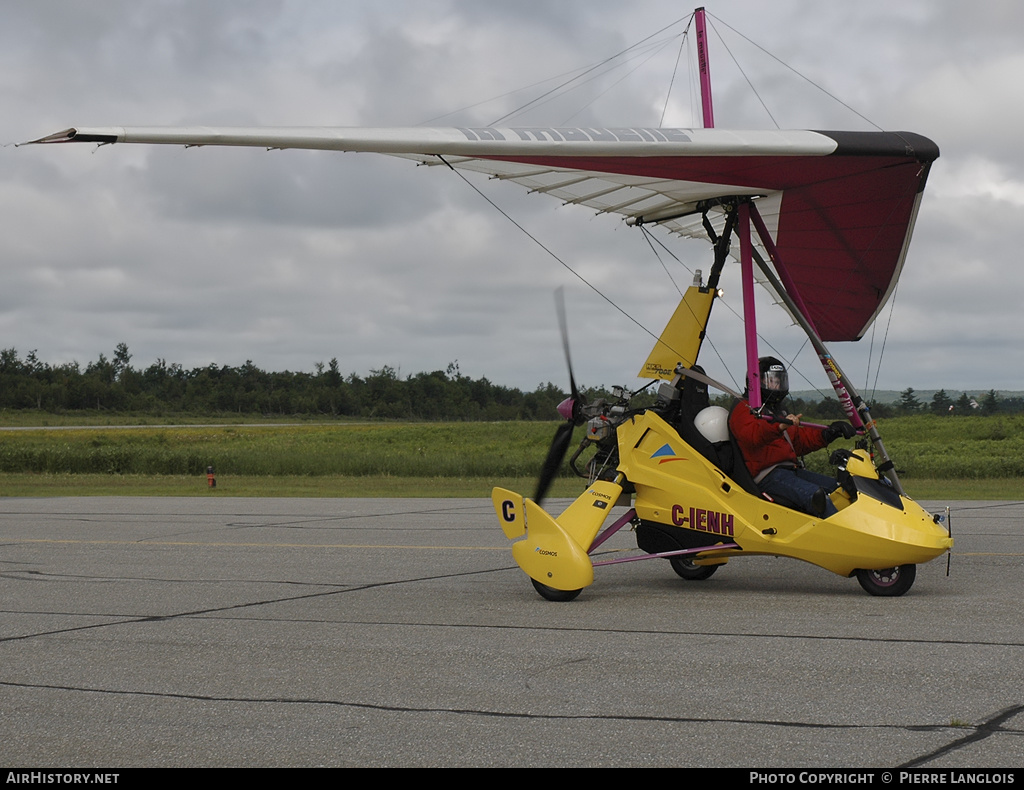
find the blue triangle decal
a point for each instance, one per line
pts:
(664, 450)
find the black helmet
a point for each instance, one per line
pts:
(774, 381)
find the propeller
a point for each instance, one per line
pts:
(570, 409)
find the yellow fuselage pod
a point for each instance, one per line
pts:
(554, 551)
(677, 485)
(681, 338)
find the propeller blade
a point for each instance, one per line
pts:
(570, 408)
(556, 454)
(564, 326)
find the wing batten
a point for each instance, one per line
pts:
(595, 195)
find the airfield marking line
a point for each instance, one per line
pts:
(253, 545)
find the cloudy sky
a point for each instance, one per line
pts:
(290, 258)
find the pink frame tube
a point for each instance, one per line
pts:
(704, 66)
(666, 554)
(749, 312)
(628, 519)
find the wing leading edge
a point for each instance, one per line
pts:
(841, 205)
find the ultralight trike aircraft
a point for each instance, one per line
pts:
(825, 217)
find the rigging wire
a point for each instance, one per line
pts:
(650, 237)
(571, 75)
(801, 76)
(546, 249)
(885, 339)
(607, 60)
(654, 51)
(738, 66)
(566, 87)
(871, 351)
(647, 238)
(500, 96)
(600, 70)
(679, 55)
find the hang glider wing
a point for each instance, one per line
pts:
(841, 205)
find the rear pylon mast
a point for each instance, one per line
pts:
(704, 67)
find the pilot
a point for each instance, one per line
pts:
(771, 447)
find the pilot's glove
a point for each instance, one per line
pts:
(837, 429)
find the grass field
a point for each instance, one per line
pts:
(939, 458)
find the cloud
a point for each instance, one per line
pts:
(289, 258)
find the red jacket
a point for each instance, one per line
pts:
(762, 441)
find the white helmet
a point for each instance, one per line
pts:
(713, 424)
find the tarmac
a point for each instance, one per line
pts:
(219, 631)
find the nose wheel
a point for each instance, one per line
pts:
(551, 594)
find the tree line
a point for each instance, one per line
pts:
(114, 385)
(942, 404)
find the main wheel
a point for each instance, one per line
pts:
(889, 582)
(552, 594)
(689, 570)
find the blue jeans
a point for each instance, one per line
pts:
(796, 487)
